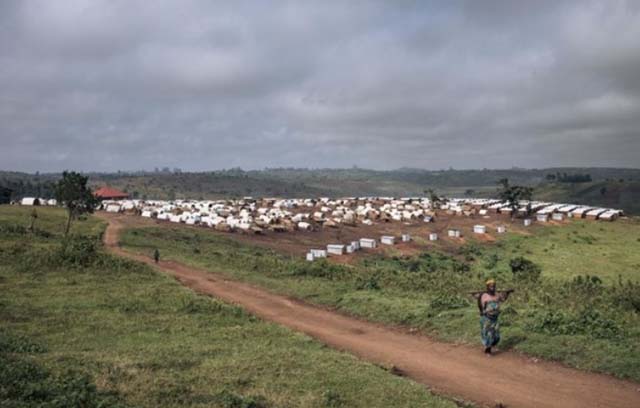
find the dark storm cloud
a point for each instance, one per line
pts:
(106, 85)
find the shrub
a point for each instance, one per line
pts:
(588, 322)
(627, 295)
(228, 399)
(586, 286)
(368, 283)
(332, 399)
(524, 269)
(470, 251)
(491, 261)
(18, 344)
(448, 302)
(319, 269)
(25, 384)
(78, 250)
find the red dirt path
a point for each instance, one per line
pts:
(449, 369)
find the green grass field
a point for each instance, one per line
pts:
(583, 310)
(82, 328)
(579, 247)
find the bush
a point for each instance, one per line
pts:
(78, 250)
(25, 384)
(319, 269)
(587, 322)
(627, 295)
(524, 269)
(491, 261)
(18, 344)
(448, 302)
(586, 286)
(332, 399)
(470, 251)
(228, 399)
(369, 283)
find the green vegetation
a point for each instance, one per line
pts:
(79, 327)
(72, 192)
(566, 307)
(580, 247)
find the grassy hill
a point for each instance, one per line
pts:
(621, 186)
(81, 328)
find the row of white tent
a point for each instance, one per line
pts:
(301, 212)
(38, 201)
(536, 207)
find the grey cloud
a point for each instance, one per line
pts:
(106, 85)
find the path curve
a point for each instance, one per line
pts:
(449, 369)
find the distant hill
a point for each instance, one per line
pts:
(611, 187)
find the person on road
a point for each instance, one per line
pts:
(489, 306)
(156, 255)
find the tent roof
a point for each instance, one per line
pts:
(108, 192)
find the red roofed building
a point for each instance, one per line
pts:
(108, 193)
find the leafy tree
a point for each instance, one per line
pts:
(514, 194)
(72, 192)
(436, 200)
(524, 269)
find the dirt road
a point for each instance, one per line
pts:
(454, 370)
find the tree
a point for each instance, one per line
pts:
(72, 192)
(514, 194)
(434, 198)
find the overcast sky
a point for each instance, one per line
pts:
(203, 85)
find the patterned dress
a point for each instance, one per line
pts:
(489, 326)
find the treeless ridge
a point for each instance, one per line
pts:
(456, 370)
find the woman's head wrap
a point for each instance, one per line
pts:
(490, 282)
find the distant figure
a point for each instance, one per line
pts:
(156, 255)
(489, 305)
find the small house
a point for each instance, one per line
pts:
(595, 213)
(310, 257)
(318, 253)
(355, 245)
(433, 236)
(610, 215)
(406, 237)
(541, 217)
(387, 240)
(368, 243)
(479, 229)
(557, 216)
(112, 208)
(30, 201)
(527, 222)
(454, 233)
(501, 229)
(108, 193)
(335, 249)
